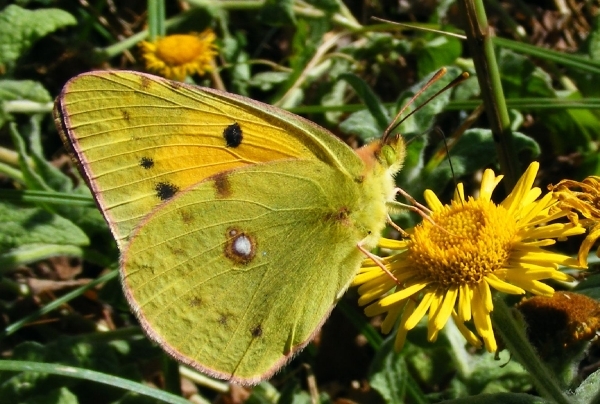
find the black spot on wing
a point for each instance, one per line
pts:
(233, 135)
(125, 114)
(195, 302)
(146, 162)
(165, 190)
(256, 331)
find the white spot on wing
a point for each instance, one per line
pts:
(242, 246)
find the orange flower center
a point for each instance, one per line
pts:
(468, 241)
(176, 50)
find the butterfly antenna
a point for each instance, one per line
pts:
(441, 133)
(438, 75)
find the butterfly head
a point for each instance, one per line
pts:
(393, 152)
(384, 154)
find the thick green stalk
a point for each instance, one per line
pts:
(156, 19)
(482, 50)
(513, 336)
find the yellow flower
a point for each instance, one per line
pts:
(178, 56)
(449, 265)
(587, 202)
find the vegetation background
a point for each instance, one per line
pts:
(60, 300)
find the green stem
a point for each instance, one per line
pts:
(14, 327)
(32, 253)
(481, 47)
(152, 394)
(27, 107)
(516, 341)
(102, 54)
(153, 20)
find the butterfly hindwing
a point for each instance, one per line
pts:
(249, 263)
(141, 139)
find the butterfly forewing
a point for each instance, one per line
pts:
(141, 139)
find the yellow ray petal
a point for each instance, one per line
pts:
(420, 311)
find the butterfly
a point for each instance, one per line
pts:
(240, 225)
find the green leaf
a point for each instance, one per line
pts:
(11, 90)
(51, 175)
(589, 390)
(368, 97)
(29, 253)
(521, 78)
(422, 121)
(21, 28)
(32, 225)
(73, 373)
(267, 81)
(436, 53)
(589, 286)
(330, 6)
(278, 13)
(361, 124)
(33, 180)
(388, 374)
(571, 130)
(474, 150)
(264, 393)
(501, 398)
(234, 53)
(593, 41)
(61, 395)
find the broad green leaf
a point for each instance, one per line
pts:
(474, 150)
(589, 391)
(361, 124)
(21, 28)
(266, 81)
(330, 6)
(369, 99)
(436, 53)
(61, 395)
(31, 225)
(11, 90)
(388, 374)
(422, 121)
(278, 13)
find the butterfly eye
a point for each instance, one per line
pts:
(389, 155)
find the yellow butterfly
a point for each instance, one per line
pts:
(240, 225)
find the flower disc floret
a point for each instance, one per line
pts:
(464, 242)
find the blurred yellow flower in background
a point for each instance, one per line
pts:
(177, 56)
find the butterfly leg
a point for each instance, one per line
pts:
(397, 228)
(378, 262)
(414, 206)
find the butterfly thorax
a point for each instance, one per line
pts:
(382, 159)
